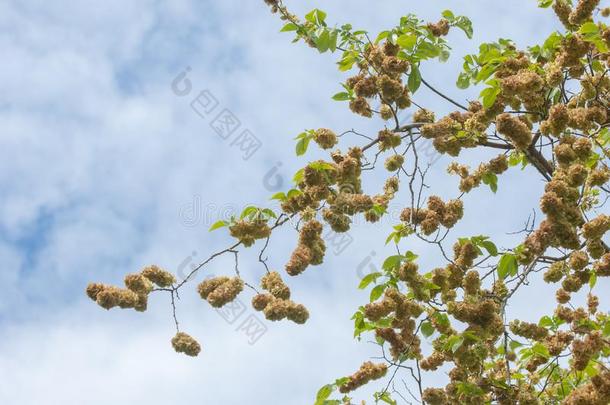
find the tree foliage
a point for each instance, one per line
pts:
(545, 108)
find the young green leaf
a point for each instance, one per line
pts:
(217, 225)
(414, 79)
(302, 146)
(507, 266)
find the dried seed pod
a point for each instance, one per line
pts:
(183, 343)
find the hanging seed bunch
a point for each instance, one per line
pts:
(135, 295)
(276, 303)
(436, 214)
(219, 291)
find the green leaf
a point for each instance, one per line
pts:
(377, 292)
(410, 256)
(332, 44)
(323, 41)
(457, 343)
(490, 247)
(392, 236)
(294, 192)
(515, 158)
(368, 279)
(414, 79)
(454, 343)
(541, 350)
(298, 177)
(407, 41)
(589, 28)
(248, 211)
(392, 262)
(382, 35)
(427, 50)
(448, 14)
(316, 16)
(463, 81)
(218, 224)
(489, 96)
(486, 72)
(545, 322)
(269, 212)
(545, 3)
(321, 166)
(289, 27)
(341, 381)
(465, 25)
(347, 62)
(343, 96)
(427, 329)
(507, 266)
(278, 196)
(469, 389)
(302, 145)
(491, 179)
(514, 344)
(592, 280)
(385, 397)
(441, 319)
(324, 393)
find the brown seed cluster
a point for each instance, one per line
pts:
(584, 350)
(456, 131)
(158, 276)
(595, 392)
(219, 291)
(564, 223)
(325, 138)
(583, 11)
(436, 214)
(388, 139)
(394, 162)
(276, 304)
(423, 115)
(368, 372)
(401, 335)
(469, 181)
(439, 29)
(183, 343)
(135, 295)
(528, 330)
(435, 396)
(310, 249)
(381, 71)
(248, 231)
(517, 129)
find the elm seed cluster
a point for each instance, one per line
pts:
(219, 291)
(135, 295)
(276, 304)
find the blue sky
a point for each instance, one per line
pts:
(100, 164)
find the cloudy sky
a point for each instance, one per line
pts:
(104, 168)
